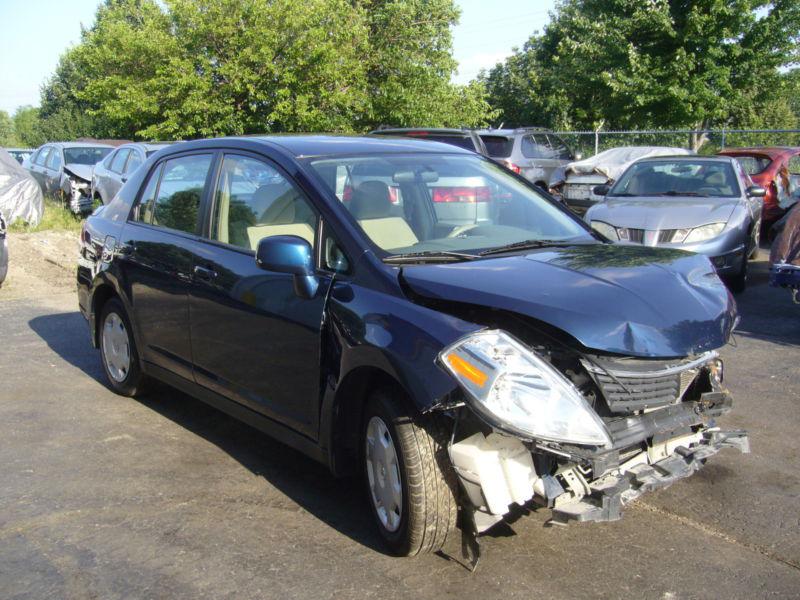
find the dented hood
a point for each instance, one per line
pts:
(648, 302)
(81, 171)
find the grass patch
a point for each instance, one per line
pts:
(55, 218)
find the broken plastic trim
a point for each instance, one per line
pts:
(608, 494)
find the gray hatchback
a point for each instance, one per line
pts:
(533, 152)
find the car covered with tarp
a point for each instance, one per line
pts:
(20, 195)
(576, 181)
(784, 256)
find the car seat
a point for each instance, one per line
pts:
(287, 215)
(372, 207)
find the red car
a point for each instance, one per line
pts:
(777, 170)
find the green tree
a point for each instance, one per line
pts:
(198, 68)
(647, 63)
(27, 127)
(7, 135)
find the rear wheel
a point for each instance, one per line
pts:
(118, 351)
(410, 482)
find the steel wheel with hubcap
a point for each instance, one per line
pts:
(118, 350)
(408, 476)
(383, 474)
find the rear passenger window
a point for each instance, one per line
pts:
(535, 146)
(253, 200)
(177, 201)
(119, 160)
(42, 156)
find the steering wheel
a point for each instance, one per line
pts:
(467, 230)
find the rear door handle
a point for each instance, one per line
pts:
(204, 273)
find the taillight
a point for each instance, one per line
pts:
(511, 166)
(461, 194)
(347, 194)
(394, 196)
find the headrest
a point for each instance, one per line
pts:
(716, 178)
(371, 201)
(267, 193)
(282, 210)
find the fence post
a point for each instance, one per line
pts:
(723, 138)
(596, 141)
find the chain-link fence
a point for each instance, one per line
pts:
(704, 141)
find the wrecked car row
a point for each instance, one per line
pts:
(415, 313)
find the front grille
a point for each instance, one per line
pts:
(635, 235)
(665, 236)
(630, 385)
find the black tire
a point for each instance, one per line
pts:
(428, 481)
(738, 283)
(134, 381)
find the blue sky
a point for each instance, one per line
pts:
(34, 33)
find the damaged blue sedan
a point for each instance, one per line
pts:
(417, 315)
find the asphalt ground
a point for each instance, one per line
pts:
(164, 497)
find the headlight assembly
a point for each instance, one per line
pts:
(698, 234)
(516, 389)
(606, 230)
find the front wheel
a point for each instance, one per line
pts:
(738, 283)
(118, 351)
(410, 483)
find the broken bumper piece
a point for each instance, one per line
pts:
(604, 498)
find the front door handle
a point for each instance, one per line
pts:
(204, 273)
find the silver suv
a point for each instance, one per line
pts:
(533, 152)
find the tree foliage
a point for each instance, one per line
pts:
(7, 135)
(197, 68)
(649, 63)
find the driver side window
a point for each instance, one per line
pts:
(253, 200)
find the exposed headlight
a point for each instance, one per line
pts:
(698, 234)
(514, 387)
(605, 229)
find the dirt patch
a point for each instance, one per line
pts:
(40, 264)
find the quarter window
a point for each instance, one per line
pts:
(118, 163)
(144, 211)
(180, 189)
(253, 200)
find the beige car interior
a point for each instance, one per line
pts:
(372, 207)
(286, 213)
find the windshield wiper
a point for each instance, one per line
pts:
(622, 195)
(677, 193)
(532, 244)
(428, 256)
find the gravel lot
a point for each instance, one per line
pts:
(163, 497)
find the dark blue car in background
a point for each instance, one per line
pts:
(416, 314)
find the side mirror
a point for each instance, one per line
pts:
(755, 191)
(601, 190)
(577, 156)
(289, 254)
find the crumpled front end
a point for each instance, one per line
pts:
(658, 416)
(77, 191)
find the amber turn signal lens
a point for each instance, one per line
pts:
(468, 370)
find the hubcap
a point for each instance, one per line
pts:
(383, 473)
(116, 348)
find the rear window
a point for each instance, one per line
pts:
(753, 165)
(498, 146)
(461, 142)
(85, 156)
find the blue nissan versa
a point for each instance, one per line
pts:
(415, 313)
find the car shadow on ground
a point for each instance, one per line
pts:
(340, 503)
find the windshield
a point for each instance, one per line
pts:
(443, 203)
(85, 156)
(678, 178)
